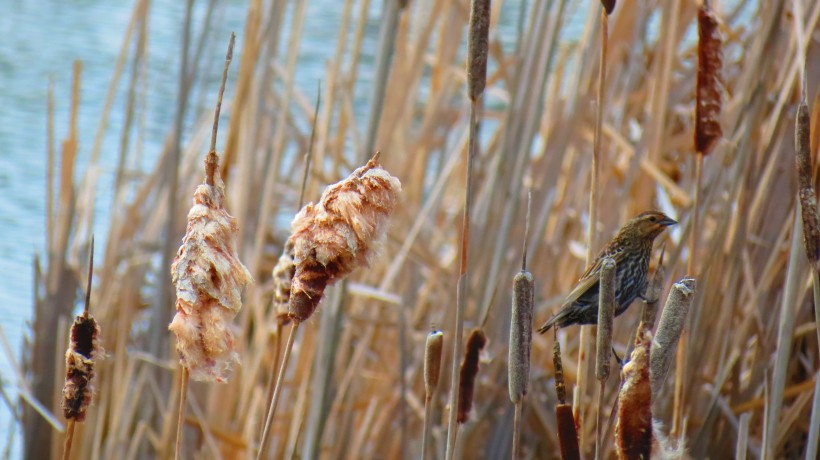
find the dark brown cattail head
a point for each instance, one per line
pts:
(709, 83)
(633, 424)
(805, 190)
(282, 279)
(432, 362)
(83, 349)
(606, 313)
(609, 6)
(567, 432)
(469, 371)
(670, 328)
(340, 233)
(518, 360)
(478, 48)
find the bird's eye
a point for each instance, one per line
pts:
(653, 219)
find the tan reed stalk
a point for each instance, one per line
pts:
(469, 371)
(83, 349)
(653, 293)
(606, 314)
(518, 360)
(567, 432)
(588, 333)
(478, 48)
(206, 303)
(708, 131)
(670, 328)
(330, 239)
(432, 372)
(633, 426)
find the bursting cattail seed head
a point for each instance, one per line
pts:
(432, 361)
(805, 185)
(709, 81)
(520, 335)
(478, 48)
(282, 279)
(469, 371)
(335, 236)
(83, 349)
(633, 425)
(208, 278)
(606, 314)
(670, 328)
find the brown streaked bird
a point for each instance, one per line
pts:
(631, 249)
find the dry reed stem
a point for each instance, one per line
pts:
(277, 390)
(633, 428)
(606, 314)
(670, 328)
(432, 371)
(183, 397)
(653, 293)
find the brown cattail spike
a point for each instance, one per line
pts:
(709, 83)
(520, 335)
(606, 313)
(670, 328)
(478, 48)
(567, 432)
(79, 359)
(808, 200)
(332, 238)
(560, 386)
(633, 429)
(432, 361)
(469, 371)
(609, 6)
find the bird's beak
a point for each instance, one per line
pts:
(667, 222)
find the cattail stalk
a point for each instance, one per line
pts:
(633, 426)
(567, 431)
(206, 303)
(518, 360)
(670, 328)
(83, 349)
(606, 314)
(330, 239)
(707, 132)
(432, 372)
(478, 49)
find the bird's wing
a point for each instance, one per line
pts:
(591, 275)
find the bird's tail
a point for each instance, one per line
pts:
(554, 321)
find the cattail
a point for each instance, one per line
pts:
(520, 335)
(432, 361)
(332, 238)
(633, 425)
(469, 371)
(567, 431)
(709, 82)
(477, 48)
(560, 386)
(606, 313)
(609, 6)
(282, 279)
(208, 278)
(808, 200)
(670, 327)
(83, 349)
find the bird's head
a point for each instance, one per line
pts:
(649, 224)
